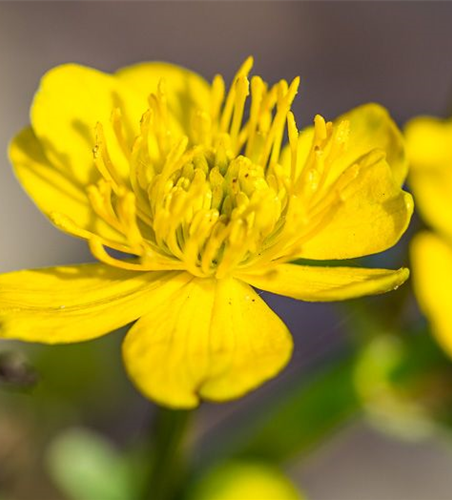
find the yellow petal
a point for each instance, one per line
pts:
(371, 127)
(372, 215)
(429, 143)
(186, 91)
(432, 192)
(214, 339)
(69, 103)
(73, 303)
(431, 259)
(318, 284)
(53, 188)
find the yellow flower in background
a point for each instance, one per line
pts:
(187, 197)
(429, 145)
(242, 480)
(429, 148)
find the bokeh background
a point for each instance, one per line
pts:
(347, 53)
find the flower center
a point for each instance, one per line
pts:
(216, 197)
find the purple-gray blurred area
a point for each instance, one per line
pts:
(347, 53)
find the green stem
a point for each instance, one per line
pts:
(169, 465)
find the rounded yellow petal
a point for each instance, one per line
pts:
(323, 284)
(214, 339)
(73, 303)
(245, 481)
(371, 127)
(370, 216)
(186, 92)
(52, 188)
(69, 103)
(429, 145)
(432, 193)
(431, 258)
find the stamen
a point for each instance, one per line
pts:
(127, 213)
(67, 225)
(102, 159)
(218, 91)
(117, 122)
(293, 142)
(242, 92)
(228, 108)
(202, 128)
(275, 136)
(257, 94)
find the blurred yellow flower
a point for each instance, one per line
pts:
(188, 207)
(245, 481)
(429, 145)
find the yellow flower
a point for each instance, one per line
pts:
(429, 145)
(188, 207)
(240, 480)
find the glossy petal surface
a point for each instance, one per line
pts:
(371, 215)
(210, 339)
(187, 91)
(429, 144)
(73, 303)
(431, 258)
(53, 188)
(323, 284)
(371, 127)
(69, 103)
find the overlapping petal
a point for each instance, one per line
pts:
(323, 284)
(371, 216)
(214, 339)
(187, 92)
(431, 258)
(69, 103)
(54, 159)
(73, 303)
(53, 188)
(370, 127)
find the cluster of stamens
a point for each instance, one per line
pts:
(216, 197)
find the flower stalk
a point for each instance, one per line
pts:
(169, 467)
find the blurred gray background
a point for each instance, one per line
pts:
(395, 53)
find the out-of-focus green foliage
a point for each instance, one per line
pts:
(86, 466)
(294, 421)
(306, 415)
(398, 378)
(405, 384)
(74, 385)
(400, 381)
